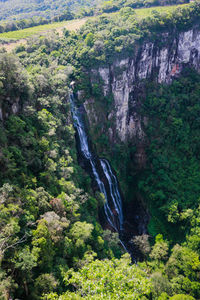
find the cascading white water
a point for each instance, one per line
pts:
(113, 202)
(114, 189)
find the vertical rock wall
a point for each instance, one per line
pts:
(150, 61)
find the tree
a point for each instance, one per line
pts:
(181, 297)
(9, 220)
(45, 283)
(116, 279)
(160, 249)
(80, 232)
(89, 40)
(43, 245)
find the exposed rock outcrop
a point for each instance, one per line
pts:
(161, 60)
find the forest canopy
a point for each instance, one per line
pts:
(52, 245)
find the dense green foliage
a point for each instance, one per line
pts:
(160, 277)
(173, 180)
(20, 9)
(48, 223)
(51, 243)
(109, 279)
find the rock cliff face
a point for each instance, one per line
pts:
(161, 60)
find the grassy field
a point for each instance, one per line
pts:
(25, 33)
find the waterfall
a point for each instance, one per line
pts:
(114, 190)
(107, 185)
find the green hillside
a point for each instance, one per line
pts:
(56, 241)
(23, 9)
(75, 24)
